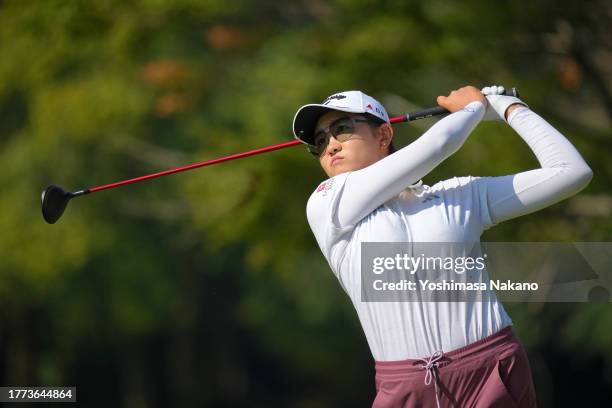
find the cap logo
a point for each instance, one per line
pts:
(369, 107)
(330, 98)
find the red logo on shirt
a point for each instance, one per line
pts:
(325, 187)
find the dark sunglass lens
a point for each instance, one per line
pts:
(320, 141)
(341, 126)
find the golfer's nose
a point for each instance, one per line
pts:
(334, 146)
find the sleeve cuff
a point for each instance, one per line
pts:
(515, 111)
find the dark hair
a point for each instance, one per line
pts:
(376, 121)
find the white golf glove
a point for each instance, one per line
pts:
(498, 103)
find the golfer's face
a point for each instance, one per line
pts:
(363, 148)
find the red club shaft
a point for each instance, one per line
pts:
(196, 165)
(210, 162)
(396, 119)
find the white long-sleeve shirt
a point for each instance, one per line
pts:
(368, 205)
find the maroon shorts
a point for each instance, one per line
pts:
(492, 372)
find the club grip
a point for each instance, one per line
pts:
(512, 92)
(438, 110)
(426, 113)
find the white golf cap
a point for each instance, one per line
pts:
(307, 116)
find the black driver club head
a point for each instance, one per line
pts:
(54, 201)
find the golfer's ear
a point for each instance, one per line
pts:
(386, 134)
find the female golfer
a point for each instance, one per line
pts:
(459, 354)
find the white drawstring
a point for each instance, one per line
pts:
(430, 366)
(416, 185)
(417, 189)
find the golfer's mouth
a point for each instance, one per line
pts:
(336, 160)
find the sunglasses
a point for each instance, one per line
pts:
(341, 129)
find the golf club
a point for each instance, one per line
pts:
(54, 199)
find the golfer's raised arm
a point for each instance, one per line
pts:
(368, 188)
(563, 173)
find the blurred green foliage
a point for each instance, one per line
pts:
(207, 288)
